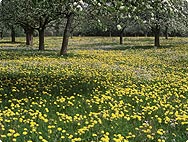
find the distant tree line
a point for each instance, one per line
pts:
(94, 30)
(92, 18)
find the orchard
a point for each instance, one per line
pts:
(93, 71)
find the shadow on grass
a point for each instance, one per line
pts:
(94, 45)
(138, 47)
(12, 53)
(19, 86)
(18, 53)
(9, 42)
(139, 39)
(119, 47)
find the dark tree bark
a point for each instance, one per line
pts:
(41, 39)
(166, 32)
(121, 35)
(66, 35)
(1, 35)
(157, 35)
(121, 38)
(71, 32)
(13, 34)
(110, 33)
(29, 36)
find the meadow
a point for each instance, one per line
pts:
(100, 92)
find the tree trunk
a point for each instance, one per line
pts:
(57, 28)
(157, 36)
(29, 37)
(121, 37)
(41, 39)
(166, 32)
(66, 34)
(110, 34)
(1, 35)
(71, 33)
(13, 34)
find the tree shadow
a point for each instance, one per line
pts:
(94, 45)
(9, 42)
(19, 53)
(116, 46)
(19, 86)
(144, 47)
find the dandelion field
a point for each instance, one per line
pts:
(99, 92)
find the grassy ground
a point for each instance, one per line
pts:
(101, 91)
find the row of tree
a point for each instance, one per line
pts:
(31, 15)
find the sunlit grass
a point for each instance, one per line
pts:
(100, 91)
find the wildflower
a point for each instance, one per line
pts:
(24, 133)
(59, 129)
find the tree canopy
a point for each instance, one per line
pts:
(106, 15)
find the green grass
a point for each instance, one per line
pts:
(100, 91)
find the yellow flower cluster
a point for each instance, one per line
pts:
(94, 95)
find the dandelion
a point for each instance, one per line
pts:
(25, 133)
(59, 129)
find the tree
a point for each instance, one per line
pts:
(1, 22)
(7, 17)
(70, 10)
(182, 22)
(158, 14)
(43, 12)
(13, 14)
(31, 15)
(119, 14)
(37, 14)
